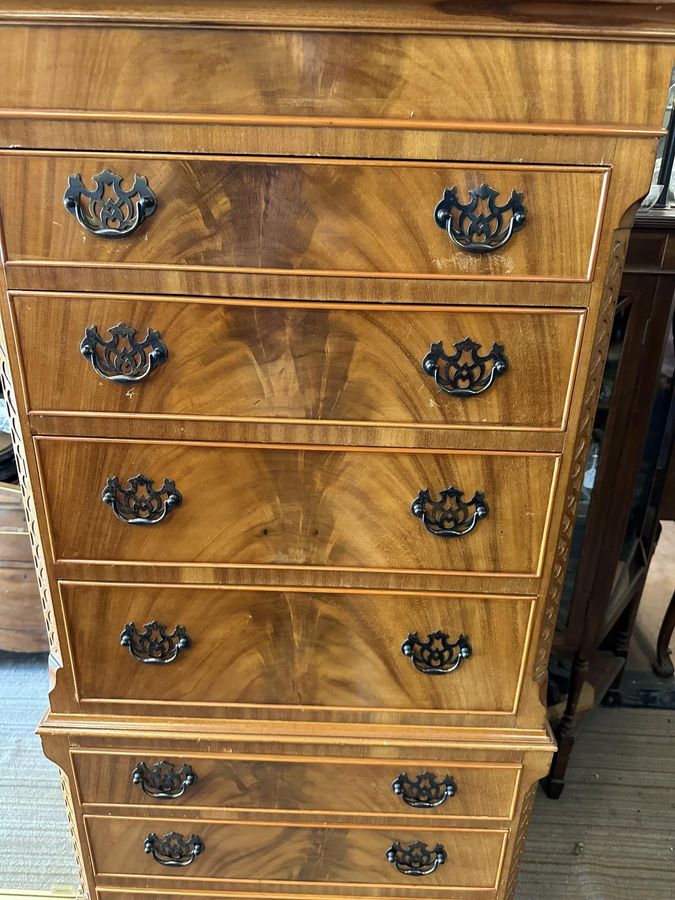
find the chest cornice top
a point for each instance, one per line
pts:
(634, 20)
(415, 69)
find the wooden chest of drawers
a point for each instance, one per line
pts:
(305, 313)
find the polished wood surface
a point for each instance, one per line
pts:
(292, 75)
(632, 19)
(276, 649)
(329, 787)
(299, 361)
(296, 854)
(305, 216)
(22, 627)
(288, 208)
(306, 508)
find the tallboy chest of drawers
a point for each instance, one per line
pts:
(305, 309)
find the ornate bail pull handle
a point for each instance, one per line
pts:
(426, 791)
(416, 859)
(465, 373)
(438, 655)
(123, 359)
(109, 211)
(164, 781)
(450, 515)
(173, 849)
(140, 503)
(154, 646)
(481, 225)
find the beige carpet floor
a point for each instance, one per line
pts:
(610, 837)
(36, 852)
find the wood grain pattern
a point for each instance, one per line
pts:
(298, 156)
(22, 625)
(296, 431)
(348, 141)
(277, 286)
(296, 854)
(242, 891)
(305, 216)
(12, 518)
(276, 649)
(329, 787)
(316, 362)
(406, 78)
(30, 507)
(306, 508)
(23, 628)
(633, 19)
(274, 740)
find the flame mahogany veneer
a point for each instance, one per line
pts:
(240, 377)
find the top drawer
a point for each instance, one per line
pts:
(254, 75)
(346, 218)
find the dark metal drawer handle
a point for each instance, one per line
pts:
(438, 655)
(163, 781)
(481, 225)
(416, 858)
(450, 515)
(173, 849)
(122, 358)
(108, 210)
(465, 373)
(140, 503)
(426, 790)
(154, 646)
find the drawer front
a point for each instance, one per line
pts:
(284, 76)
(298, 508)
(310, 362)
(295, 854)
(297, 648)
(347, 218)
(219, 784)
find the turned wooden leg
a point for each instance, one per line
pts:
(664, 664)
(623, 632)
(554, 782)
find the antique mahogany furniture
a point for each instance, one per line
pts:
(306, 313)
(617, 527)
(22, 627)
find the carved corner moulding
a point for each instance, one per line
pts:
(599, 350)
(519, 842)
(70, 813)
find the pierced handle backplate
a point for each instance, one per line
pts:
(140, 503)
(123, 359)
(426, 791)
(437, 655)
(173, 849)
(464, 373)
(153, 645)
(450, 515)
(107, 210)
(164, 781)
(416, 859)
(480, 225)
